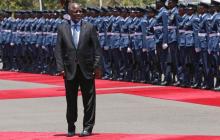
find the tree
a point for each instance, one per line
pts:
(55, 4)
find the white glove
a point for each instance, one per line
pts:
(164, 46)
(209, 51)
(43, 47)
(12, 44)
(197, 49)
(144, 49)
(106, 48)
(129, 50)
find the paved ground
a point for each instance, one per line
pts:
(10, 85)
(117, 113)
(0, 65)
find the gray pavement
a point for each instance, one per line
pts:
(12, 85)
(116, 113)
(0, 65)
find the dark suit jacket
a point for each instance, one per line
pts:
(87, 55)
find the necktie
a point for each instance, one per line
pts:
(76, 32)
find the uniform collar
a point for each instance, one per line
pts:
(151, 19)
(174, 9)
(162, 9)
(190, 17)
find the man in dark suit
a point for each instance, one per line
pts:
(78, 57)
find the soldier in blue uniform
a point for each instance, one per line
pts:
(1, 37)
(107, 51)
(15, 42)
(149, 44)
(133, 46)
(172, 63)
(33, 40)
(202, 48)
(40, 46)
(136, 34)
(115, 45)
(182, 18)
(107, 70)
(27, 52)
(161, 34)
(125, 44)
(190, 29)
(214, 40)
(6, 34)
(53, 34)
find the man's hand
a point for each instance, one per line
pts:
(98, 73)
(129, 50)
(61, 73)
(164, 46)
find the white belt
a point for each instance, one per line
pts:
(137, 33)
(213, 34)
(115, 34)
(44, 33)
(182, 31)
(188, 32)
(24, 33)
(158, 27)
(54, 34)
(171, 27)
(124, 34)
(38, 33)
(109, 33)
(47, 33)
(202, 34)
(7, 30)
(101, 34)
(131, 34)
(15, 33)
(149, 37)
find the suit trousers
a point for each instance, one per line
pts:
(87, 87)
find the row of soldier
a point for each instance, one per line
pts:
(27, 40)
(181, 43)
(177, 41)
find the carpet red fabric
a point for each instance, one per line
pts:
(107, 87)
(97, 136)
(56, 80)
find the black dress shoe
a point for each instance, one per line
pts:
(206, 87)
(217, 88)
(196, 85)
(177, 83)
(155, 82)
(85, 133)
(142, 81)
(165, 83)
(105, 78)
(71, 134)
(119, 79)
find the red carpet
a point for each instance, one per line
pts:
(107, 87)
(61, 136)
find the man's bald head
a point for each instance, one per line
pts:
(74, 5)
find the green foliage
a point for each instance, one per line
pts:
(55, 4)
